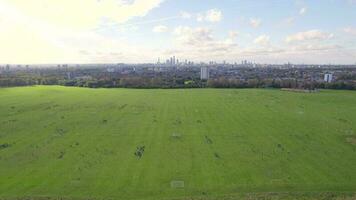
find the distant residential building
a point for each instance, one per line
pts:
(110, 70)
(204, 73)
(328, 78)
(69, 75)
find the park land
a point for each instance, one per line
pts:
(79, 143)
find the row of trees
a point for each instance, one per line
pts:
(134, 82)
(279, 83)
(174, 82)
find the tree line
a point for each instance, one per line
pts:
(176, 82)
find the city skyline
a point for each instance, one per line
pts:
(140, 31)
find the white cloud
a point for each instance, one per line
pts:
(185, 15)
(213, 15)
(309, 36)
(193, 36)
(290, 20)
(128, 28)
(72, 14)
(29, 40)
(262, 40)
(200, 17)
(233, 34)
(314, 47)
(231, 37)
(200, 43)
(41, 32)
(255, 23)
(160, 29)
(303, 11)
(350, 30)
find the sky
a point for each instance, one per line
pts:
(141, 31)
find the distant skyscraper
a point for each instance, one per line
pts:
(69, 75)
(328, 78)
(204, 73)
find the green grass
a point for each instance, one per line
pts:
(78, 143)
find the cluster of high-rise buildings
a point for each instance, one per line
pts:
(4, 68)
(173, 61)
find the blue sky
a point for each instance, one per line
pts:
(137, 31)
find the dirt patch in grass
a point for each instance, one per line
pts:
(351, 140)
(176, 135)
(5, 145)
(60, 131)
(61, 155)
(122, 106)
(177, 184)
(216, 155)
(208, 140)
(280, 147)
(139, 151)
(177, 122)
(343, 120)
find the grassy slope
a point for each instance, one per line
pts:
(73, 142)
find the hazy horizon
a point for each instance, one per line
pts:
(141, 31)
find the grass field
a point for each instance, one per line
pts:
(76, 143)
